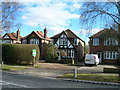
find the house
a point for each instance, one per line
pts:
(70, 43)
(104, 43)
(39, 38)
(12, 37)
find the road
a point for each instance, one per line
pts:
(11, 80)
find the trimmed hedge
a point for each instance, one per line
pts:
(19, 53)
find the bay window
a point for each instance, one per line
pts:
(34, 41)
(110, 54)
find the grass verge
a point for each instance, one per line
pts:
(94, 77)
(12, 67)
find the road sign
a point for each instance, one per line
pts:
(33, 52)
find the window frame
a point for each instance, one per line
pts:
(96, 42)
(110, 54)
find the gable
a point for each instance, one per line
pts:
(6, 37)
(63, 36)
(32, 35)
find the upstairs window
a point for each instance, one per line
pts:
(63, 41)
(75, 41)
(110, 41)
(96, 41)
(34, 41)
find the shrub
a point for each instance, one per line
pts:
(51, 52)
(19, 53)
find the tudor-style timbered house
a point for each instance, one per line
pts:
(69, 43)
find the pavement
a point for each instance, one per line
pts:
(54, 70)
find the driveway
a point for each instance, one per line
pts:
(53, 70)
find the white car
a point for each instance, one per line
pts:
(91, 59)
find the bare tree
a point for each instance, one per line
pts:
(107, 12)
(9, 12)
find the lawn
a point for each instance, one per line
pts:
(12, 67)
(94, 77)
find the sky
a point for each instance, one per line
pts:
(55, 15)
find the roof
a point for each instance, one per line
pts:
(103, 33)
(69, 34)
(38, 33)
(12, 35)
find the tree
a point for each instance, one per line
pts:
(9, 13)
(51, 53)
(109, 12)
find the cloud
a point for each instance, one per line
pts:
(55, 15)
(90, 32)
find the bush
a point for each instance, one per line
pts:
(19, 53)
(51, 53)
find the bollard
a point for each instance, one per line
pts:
(75, 72)
(73, 61)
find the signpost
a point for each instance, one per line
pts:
(34, 55)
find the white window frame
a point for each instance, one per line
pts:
(110, 41)
(70, 53)
(63, 41)
(34, 41)
(95, 41)
(110, 54)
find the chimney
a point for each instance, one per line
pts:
(45, 33)
(18, 35)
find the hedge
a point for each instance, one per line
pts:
(19, 53)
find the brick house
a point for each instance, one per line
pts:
(104, 43)
(12, 37)
(39, 38)
(71, 44)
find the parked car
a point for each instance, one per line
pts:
(91, 59)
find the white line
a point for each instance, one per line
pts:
(7, 83)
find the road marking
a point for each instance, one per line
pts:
(8, 83)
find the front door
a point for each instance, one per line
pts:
(100, 56)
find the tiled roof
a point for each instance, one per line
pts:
(39, 34)
(103, 33)
(69, 33)
(13, 35)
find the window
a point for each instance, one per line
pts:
(75, 41)
(7, 41)
(96, 41)
(110, 41)
(110, 55)
(24, 41)
(70, 53)
(63, 41)
(34, 41)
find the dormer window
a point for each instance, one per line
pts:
(95, 41)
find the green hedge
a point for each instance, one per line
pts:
(19, 53)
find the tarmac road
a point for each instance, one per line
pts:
(12, 80)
